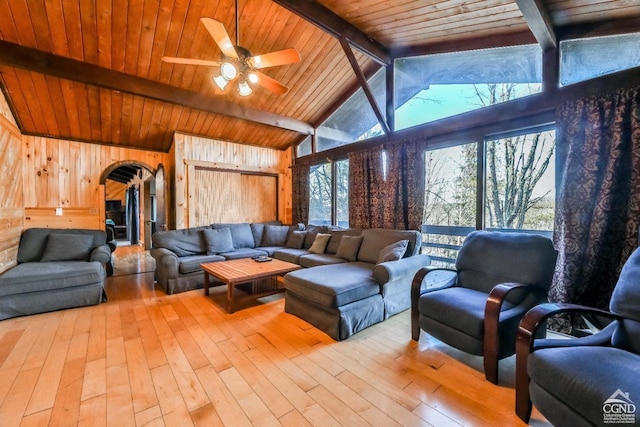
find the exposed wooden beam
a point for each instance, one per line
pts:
(338, 27)
(599, 28)
(365, 85)
(70, 69)
(539, 21)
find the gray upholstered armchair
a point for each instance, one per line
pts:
(592, 380)
(477, 307)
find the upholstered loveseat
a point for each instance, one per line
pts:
(56, 269)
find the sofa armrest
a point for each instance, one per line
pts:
(101, 253)
(406, 267)
(166, 260)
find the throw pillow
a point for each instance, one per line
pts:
(240, 234)
(275, 235)
(312, 231)
(68, 247)
(349, 247)
(217, 241)
(296, 239)
(393, 252)
(320, 243)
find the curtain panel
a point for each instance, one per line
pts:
(598, 206)
(394, 199)
(366, 198)
(405, 185)
(300, 194)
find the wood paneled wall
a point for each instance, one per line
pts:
(226, 155)
(11, 200)
(66, 174)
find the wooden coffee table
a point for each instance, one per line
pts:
(237, 271)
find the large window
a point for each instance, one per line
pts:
(520, 182)
(432, 87)
(329, 196)
(450, 200)
(320, 194)
(516, 191)
(586, 59)
(355, 119)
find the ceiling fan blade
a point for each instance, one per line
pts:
(271, 84)
(190, 61)
(281, 57)
(219, 34)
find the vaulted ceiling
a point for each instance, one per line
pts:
(92, 70)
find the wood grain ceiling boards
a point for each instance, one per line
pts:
(130, 36)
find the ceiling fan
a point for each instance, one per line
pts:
(238, 63)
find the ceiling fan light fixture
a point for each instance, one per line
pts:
(228, 71)
(252, 77)
(221, 82)
(243, 88)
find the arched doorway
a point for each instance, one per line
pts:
(134, 200)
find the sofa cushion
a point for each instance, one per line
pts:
(349, 247)
(393, 252)
(67, 247)
(374, 239)
(244, 253)
(290, 255)
(257, 229)
(333, 285)
(320, 243)
(275, 235)
(295, 239)
(336, 238)
(240, 233)
(44, 276)
(584, 377)
(217, 240)
(312, 231)
(191, 264)
(184, 242)
(314, 260)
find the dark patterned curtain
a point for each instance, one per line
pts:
(300, 196)
(404, 186)
(365, 188)
(596, 225)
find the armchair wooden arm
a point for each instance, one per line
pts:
(491, 343)
(416, 291)
(525, 338)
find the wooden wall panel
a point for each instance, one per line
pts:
(66, 174)
(226, 196)
(11, 199)
(190, 149)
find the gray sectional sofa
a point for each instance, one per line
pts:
(352, 279)
(179, 253)
(57, 269)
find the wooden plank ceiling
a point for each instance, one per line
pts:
(92, 70)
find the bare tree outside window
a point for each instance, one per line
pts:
(320, 194)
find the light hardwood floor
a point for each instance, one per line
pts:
(145, 358)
